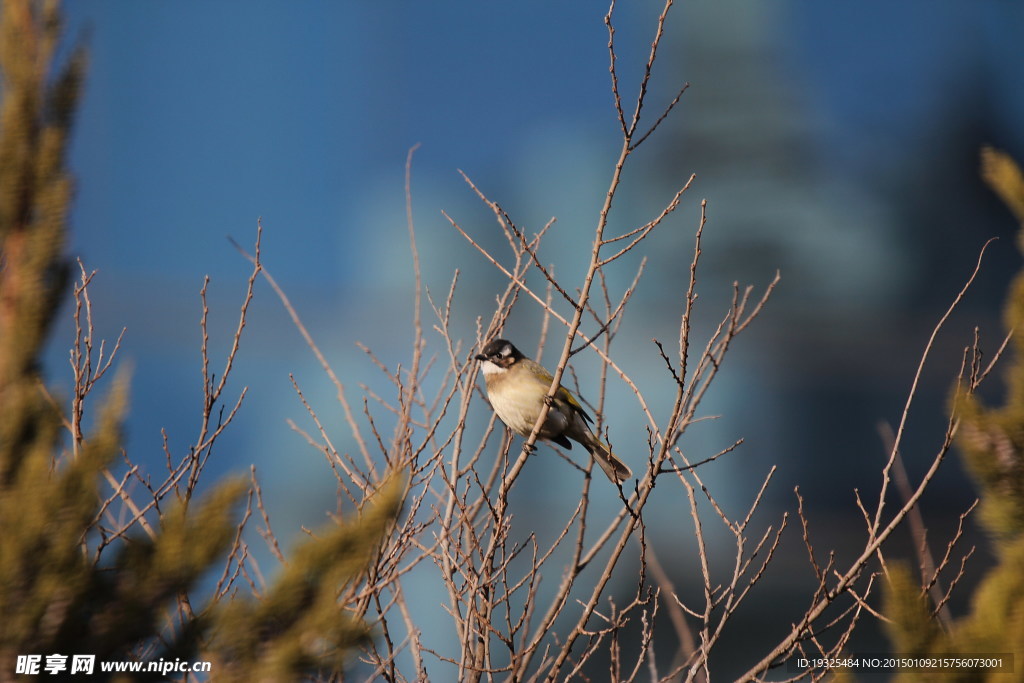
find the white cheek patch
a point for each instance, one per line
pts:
(490, 368)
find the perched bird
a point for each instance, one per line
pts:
(516, 387)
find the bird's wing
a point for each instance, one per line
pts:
(562, 394)
(567, 396)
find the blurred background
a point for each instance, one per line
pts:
(835, 143)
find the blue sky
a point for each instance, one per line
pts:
(835, 142)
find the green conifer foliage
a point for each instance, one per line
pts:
(297, 627)
(57, 596)
(53, 598)
(34, 194)
(991, 442)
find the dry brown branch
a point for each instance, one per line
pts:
(293, 314)
(86, 370)
(879, 530)
(468, 585)
(266, 532)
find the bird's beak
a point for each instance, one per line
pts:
(480, 356)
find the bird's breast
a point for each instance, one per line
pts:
(518, 405)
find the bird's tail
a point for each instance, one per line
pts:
(616, 470)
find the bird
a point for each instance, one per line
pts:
(517, 387)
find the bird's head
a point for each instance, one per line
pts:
(498, 356)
